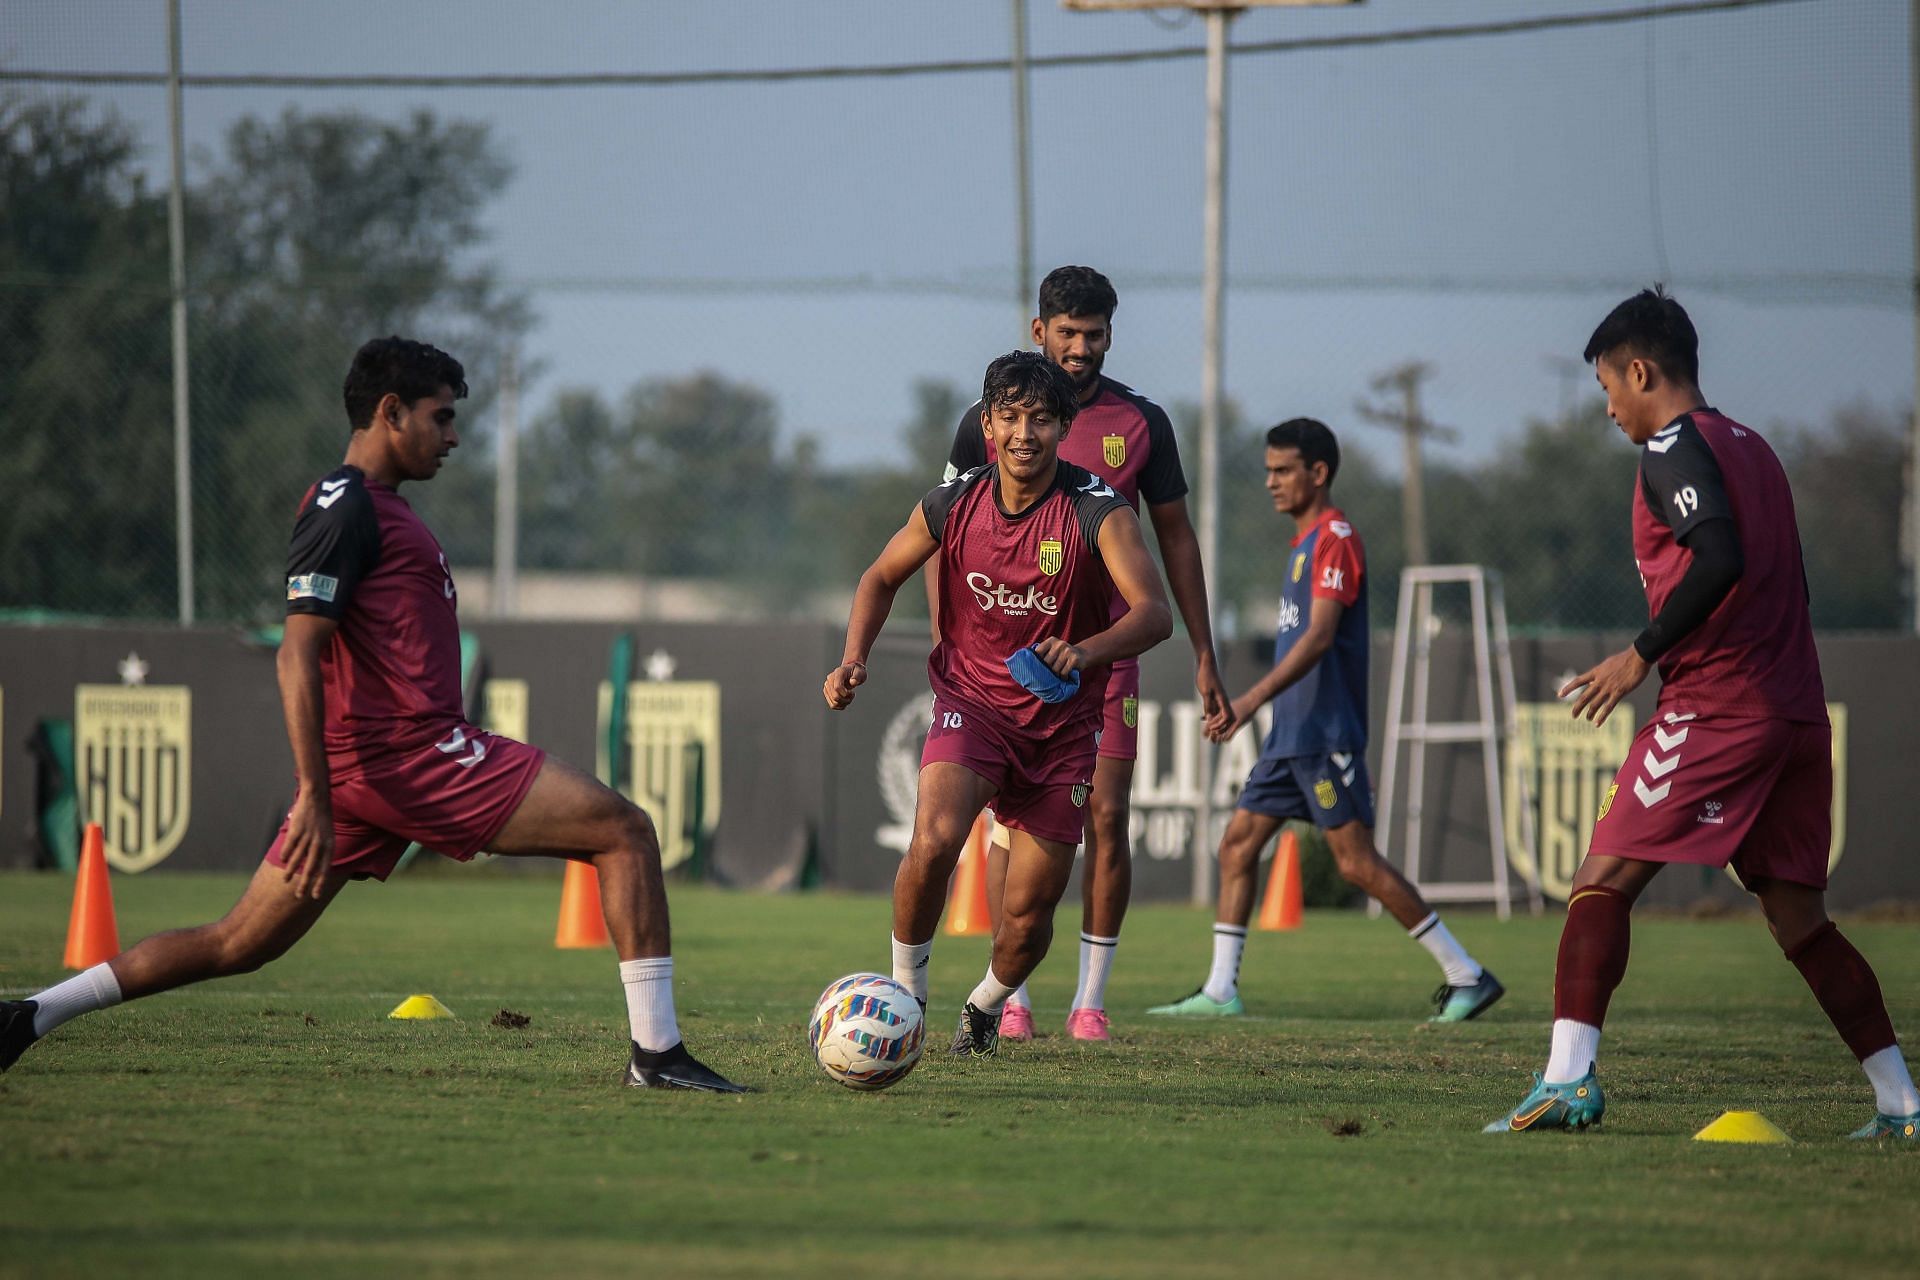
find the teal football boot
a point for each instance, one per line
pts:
(1906, 1128)
(1577, 1104)
(1201, 1005)
(1457, 1004)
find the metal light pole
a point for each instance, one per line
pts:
(506, 493)
(1023, 170)
(177, 265)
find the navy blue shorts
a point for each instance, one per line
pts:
(1330, 790)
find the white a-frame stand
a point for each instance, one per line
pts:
(1413, 633)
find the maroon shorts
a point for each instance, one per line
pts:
(1120, 728)
(1041, 788)
(451, 796)
(1756, 794)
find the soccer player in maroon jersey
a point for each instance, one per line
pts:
(1736, 765)
(369, 674)
(1032, 551)
(1128, 441)
(1313, 762)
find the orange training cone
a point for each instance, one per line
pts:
(92, 935)
(582, 923)
(1281, 907)
(967, 900)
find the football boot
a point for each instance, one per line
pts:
(1577, 1104)
(16, 1030)
(978, 1033)
(1905, 1128)
(1201, 1005)
(675, 1068)
(1457, 1004)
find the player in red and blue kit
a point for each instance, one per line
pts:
(1736, 766)
(1313, 762)
(384, 756)
(1032, 551)
(1128, 441)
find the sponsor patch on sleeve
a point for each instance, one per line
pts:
(312, 586)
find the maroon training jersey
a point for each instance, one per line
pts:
(1754, 655)
(1009, 581)
(392, 671)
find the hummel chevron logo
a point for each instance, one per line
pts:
(1668, 741)
(1658, 768)
(458, 741)
(330, 491)
(1097, 487)
(1674, 717)
(1343, 761)
(1651, 796)
(1664, 440)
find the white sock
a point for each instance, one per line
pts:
(1223, 980)
(1893, 1092)
(910, 966)
(1576, 1047)
(1462, 970)
(1019, 997)
(91, 989)
(649, 984)
(991, 995)
(1096, 961)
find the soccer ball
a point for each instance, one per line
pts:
(866, 1031)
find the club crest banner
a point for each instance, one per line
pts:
(133, 767)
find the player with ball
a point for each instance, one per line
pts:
(1032, 551)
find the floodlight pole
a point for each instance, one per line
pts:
(1910, 544)
(1212, 331)
(1023, 170)
(177, 270)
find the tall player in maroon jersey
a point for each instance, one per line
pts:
(1032, 551)
(369, 675)
(1128, 441)
(1736, 766)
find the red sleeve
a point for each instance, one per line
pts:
(1339, 563)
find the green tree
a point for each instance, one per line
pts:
(1846, 497)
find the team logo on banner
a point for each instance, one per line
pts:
(1052, 555)
(898, 771)
(673, 748)
(504, 708)
(1113, 449)
(1560, 771)
(133, 767)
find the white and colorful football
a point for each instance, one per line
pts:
(866, 1031)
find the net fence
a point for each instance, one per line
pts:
(750, 275)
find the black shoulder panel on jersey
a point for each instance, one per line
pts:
(336, 544)
(938, 505)
(969, 443)
(1680, 480)
(1162, 479)
(1093, 501)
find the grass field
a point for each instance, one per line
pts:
(281, 1122)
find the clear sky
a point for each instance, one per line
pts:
(1474, 203)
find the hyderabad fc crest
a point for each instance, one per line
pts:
(133, 768)
(1323, 792)
(1114, 450)
(1078, 793)
(1130, 711)
(1299, 565)
(1052, 555)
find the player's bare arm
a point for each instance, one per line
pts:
(1147, 620)
(902, 557)
(309, 845)
(1187, 579)
(1323, 621)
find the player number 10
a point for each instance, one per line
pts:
(949, 719)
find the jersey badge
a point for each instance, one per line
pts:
(1078, 794)
(1052, 556)
(312, 586)
(1323, 792)
(1606, 802)
(1299, 565)
(1341, 529)
(1114, 450)
(1130, 711)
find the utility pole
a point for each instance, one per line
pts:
(1410, 421)
(177, 274)
(1022, 174)
(506, 492)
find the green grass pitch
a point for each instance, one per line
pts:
(280, 1123)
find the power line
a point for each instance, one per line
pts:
(888, 70)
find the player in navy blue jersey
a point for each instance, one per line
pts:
(1313, 762)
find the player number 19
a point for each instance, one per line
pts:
(1687, 500)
